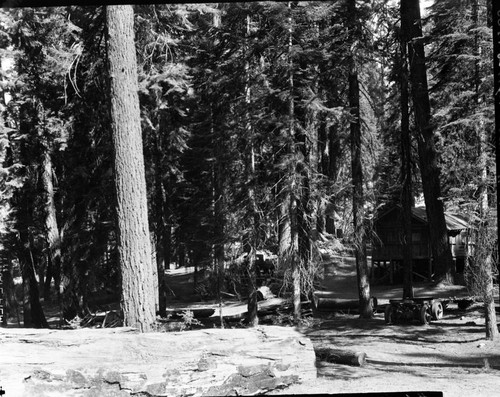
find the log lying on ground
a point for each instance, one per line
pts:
(339, 356)
(324, 301)
(118, 361)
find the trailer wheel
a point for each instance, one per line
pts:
(424, 315)
(437, 311)
(389, 314)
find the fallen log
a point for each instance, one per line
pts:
(119, 361)
(324, 301)
(338, 356)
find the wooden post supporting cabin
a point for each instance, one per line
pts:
(430, 268)
(391, 272)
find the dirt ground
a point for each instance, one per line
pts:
(450, 355)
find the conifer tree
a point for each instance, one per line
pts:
(134, 249)
(424, 130)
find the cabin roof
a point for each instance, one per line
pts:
(454, 222)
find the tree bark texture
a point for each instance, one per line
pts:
(134, 247)
(207, 362)
(360, 238)
(294, 188)
(406, 177)
(51, 228)
(428, 156)
(479, 126)
(219, 210)
(33, 315)
(252, 319)
(494, 22)
(163, 224)
(490, 314)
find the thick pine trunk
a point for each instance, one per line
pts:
(360, 238)
(406, 180)
(134, 247)
(488, 299)
(490, 316)
(428, 156)
(358, 202)
(54, 266)
(33, 315)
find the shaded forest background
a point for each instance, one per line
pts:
(254, 137)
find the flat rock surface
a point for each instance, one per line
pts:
(122, 362)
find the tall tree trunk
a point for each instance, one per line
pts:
(480, 130)
(253, 319)
(488, 296)
(493, 20)
(311, 153)
(219, 220)
(162, 245)
(490, 314)
(33, 315)
(332, 171)
(134, 246)
(428, 156)
(294, 188)
(406, 181)
(321, 160)
(218, 196)
(52, 235)
(358, 200)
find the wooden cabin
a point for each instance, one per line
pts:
(387, 248)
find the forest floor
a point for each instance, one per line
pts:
(450, 355)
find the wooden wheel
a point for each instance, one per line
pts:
(424, 315)
(437, 311)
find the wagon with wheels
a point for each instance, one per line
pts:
(423, 310)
